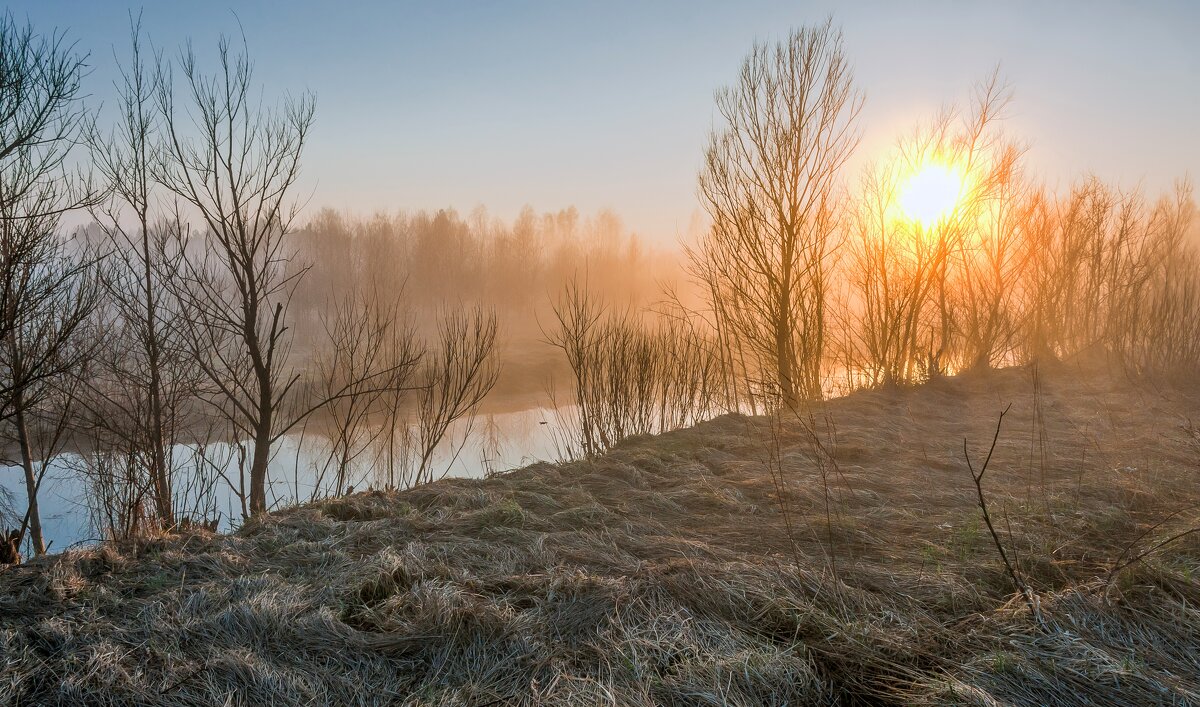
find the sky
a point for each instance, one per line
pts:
(609, 104)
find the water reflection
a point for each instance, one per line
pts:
(494, 443)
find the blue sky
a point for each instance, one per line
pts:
(607, 104)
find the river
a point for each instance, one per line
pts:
(497, 442)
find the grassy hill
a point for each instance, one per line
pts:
(836, 556)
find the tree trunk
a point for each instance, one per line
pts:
(258, 468)
(163, 498)
(33, 516)
(937, 367)
(785, 358)
(783, 363)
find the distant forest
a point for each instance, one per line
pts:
(441, 257)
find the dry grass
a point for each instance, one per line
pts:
(662, 573)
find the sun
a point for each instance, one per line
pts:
(930, 193)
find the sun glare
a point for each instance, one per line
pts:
(930, 194)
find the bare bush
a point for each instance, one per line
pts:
(366, 365)
(1111, 275)
(456, 375)
(632, 377)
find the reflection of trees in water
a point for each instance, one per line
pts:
(498, 442)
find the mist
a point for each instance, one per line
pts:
(890, 421)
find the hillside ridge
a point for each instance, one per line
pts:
(834, 556)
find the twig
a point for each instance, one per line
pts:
(1120, 564)
(1021, 587)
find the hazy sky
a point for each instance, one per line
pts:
(607, 104)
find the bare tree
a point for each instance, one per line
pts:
(988, 165)
(144, 382)
(41, 117)
(49, 297)
(990, 266)
(237, 173)
(44, 414)
(46, 292)
(770, 185)
(932, 294)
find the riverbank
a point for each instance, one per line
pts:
(836, 556)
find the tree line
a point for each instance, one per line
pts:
(443, 256)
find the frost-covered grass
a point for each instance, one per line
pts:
(666, 573)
